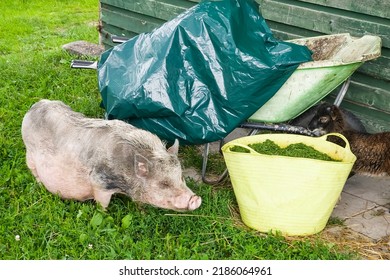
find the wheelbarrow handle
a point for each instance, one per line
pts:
(83, 64)
(118, 39)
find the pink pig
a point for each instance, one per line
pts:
(83, 158)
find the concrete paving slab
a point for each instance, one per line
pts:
(374, 223)
(364, 206)
(375, 189)
(81, 48)
(350, 206)
(192, 173)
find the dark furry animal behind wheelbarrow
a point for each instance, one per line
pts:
(372, 150)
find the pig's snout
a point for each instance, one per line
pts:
(181, 204)
(194, 202)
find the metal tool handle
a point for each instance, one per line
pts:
(118, 39)
(83, 64)
(278, 127)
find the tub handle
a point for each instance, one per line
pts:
(252, 151)
(325, 138)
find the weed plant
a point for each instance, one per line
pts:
(37, 225)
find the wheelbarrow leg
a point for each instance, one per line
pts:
(342, 92)
(205, 160)
(84, 64)
(204, 166)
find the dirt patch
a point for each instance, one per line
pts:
(323, 48)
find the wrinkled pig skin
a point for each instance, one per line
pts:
(83, 158)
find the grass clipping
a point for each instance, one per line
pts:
(269, 147)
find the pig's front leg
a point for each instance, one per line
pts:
(31, 165)
(105, 182)
(102, 196)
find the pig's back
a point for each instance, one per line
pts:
(53, 125)
(50, 119)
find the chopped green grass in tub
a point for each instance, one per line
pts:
(269, 147)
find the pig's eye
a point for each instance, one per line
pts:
(165, 185)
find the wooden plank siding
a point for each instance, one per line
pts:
(377, 8)
(369, 93)
(129, 18)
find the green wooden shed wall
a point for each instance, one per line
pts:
(369, 93)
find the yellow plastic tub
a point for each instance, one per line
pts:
(294, 196)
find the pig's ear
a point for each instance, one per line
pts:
(141, 166)
(174, 149)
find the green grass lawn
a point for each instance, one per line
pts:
(34, 224)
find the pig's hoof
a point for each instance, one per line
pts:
(194, 203)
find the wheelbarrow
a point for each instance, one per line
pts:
(335, 58)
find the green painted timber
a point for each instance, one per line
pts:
(324, 19)
(378, 8)
(369, 93)
(163, 9)
(128, 23)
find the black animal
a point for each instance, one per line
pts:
(371, 150)
(352, 121)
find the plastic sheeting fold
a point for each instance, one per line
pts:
(200, 75)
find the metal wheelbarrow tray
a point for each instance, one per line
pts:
(335, 59)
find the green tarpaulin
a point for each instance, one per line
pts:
(200, 75)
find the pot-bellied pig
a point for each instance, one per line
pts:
(83, 158)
